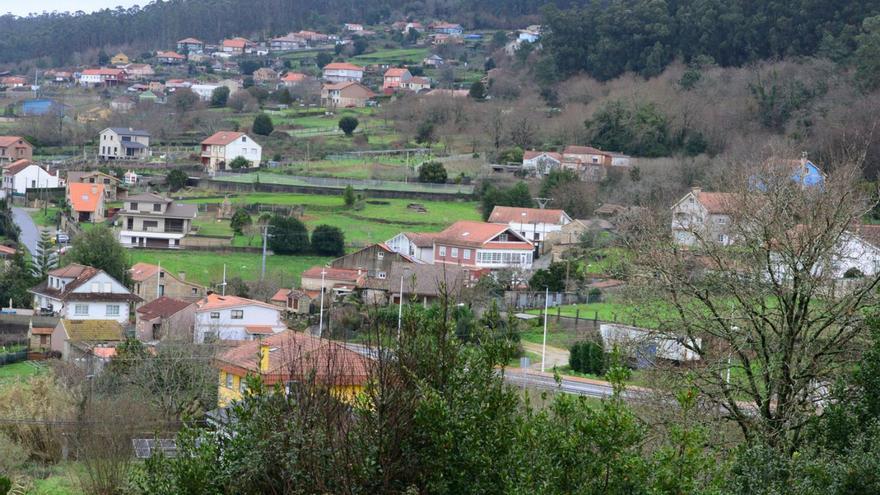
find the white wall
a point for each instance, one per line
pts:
(246, 147)
(30, 177)
(227, 328)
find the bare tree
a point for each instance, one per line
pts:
(768, 316)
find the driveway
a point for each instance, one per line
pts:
(555, 356)
(30, 233)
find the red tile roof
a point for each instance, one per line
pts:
(259, 329)
(190, 41)
(396, 72)
(582, 150)
(342, 66)
(421, 239)
(508, 214)
(222, 138)
(294, 356)
(293, 77)
(236, 43)
(85, 197)
(42, 330)
(6, 250)
(16, 167)
(530, 154)
(717, 202)
(281, 295)
(6, 141)
(469, 233)
(216, 301)
(169, 54)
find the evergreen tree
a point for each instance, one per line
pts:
(348, 196)
(328, 241)
(288, 235)
(240, 220)
(348, 124)
(45, 258)
(98, 248)
(263, 125)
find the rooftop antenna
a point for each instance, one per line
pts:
(542, 202)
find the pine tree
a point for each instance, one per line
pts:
(45, 259)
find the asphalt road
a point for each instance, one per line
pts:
(30, 233)
(578, 386)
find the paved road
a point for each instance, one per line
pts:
(30, 233)
(570, 385)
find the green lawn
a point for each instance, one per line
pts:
(210, 227)
(47, 219)
(609, 311)
(18, 371)
(207, 267)
(392, 56)
(270, 178)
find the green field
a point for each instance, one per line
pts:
(11, 373)
(207, 267)
(647, 316)
(47, 219)
(392, 56)
(268, 178)
(377, 221)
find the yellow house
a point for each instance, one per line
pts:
(287, 358)
(120, 59)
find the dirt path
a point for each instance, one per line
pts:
(555, 355)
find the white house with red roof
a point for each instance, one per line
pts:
(483, 245)
(395, 78)
(417, 245)
(702, 217)
(342, 72)
(236, 46)
(14, 148)
(541, 162)
(102, 77)
(221, 317)
(22, 175)
(190, 45)
(532, 223)
(170, 58)
(80, 292)
(292, 79)
(220, 149)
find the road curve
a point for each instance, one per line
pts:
(30, 233)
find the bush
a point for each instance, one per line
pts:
(433, 172)
(587, 357)
(239, 162)
(288, 235)
(328, 241)
(348, 196)
(5, 485)
(176, 179)
(263, 125)
(240, 219)
(348, 124)
(219, 97)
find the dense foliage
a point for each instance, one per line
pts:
(348, 124)
(98, 247)
(433, 172)
(328, 240)
(606, 39)
(288, 235)
(516, 195)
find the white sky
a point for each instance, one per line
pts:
(24, 7)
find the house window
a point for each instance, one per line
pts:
(96, 287)
(134, 206)
(215, 315)
(381, 275)
(161, 290)
(81, 309)
(467, 254)
(112, 310)
(108, 287)
(380, 255)
(151, 224)
(243, 139)
(237, 314)
(228, 380)
(157, 207)
(442, 250)
(454, 253)
(194, 291)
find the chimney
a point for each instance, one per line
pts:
(181, 276)
(264, 357)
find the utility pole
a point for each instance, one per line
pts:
(265, 235)
(544, 345)
(321, 310)
(400, 307)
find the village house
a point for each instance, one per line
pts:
(235, 318)
(265, 75)
(417, 84)
(86, 202)
(165, 318)
(418, 246)
(294, 301)
(531, 34)
(13, 82)
(204, 91)
(14, 148)
(374, 260)
(121, 104)
(395, 78)
(345, 95)
(292, 79)
(119, 59)
(220, 149)
(338, 72)
(153, 221)
(89, 344)
(190, 45)
(102, 77)
(39, 338)
(352, 27)
(446, 28)
(286, 43)
(237, 46)
(433, 60)
(339, 281)
(532, 223)
(139, 72)
(22, 175)
(130, 178)
(151, 282)
(170, 58)
(702, 217)
(79, 292)
(422, 283)
(121, 143)
(287, 359)
(110, 183)
(541, 162)
(483, 245)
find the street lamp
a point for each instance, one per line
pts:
(321, 310)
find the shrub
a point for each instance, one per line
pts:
(328, 241)
(348, 124)
(240, 219)
(433, 172)
(263, 125)
(587, 357)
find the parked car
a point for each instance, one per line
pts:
(62, 238)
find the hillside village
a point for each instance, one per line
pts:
(312, 258)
